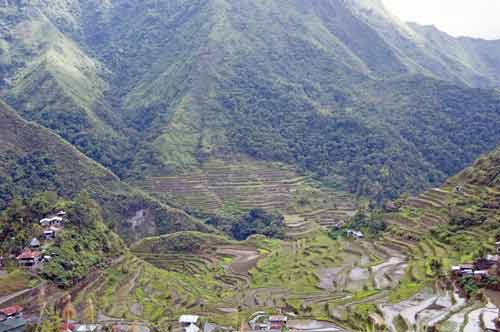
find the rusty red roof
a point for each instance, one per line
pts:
(13, 310)
(28, 254)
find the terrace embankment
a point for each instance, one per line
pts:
(247, 184)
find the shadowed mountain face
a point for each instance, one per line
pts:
(34, 159)
(339, 88)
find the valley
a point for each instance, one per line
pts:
(387, 277)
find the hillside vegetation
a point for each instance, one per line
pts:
(155, 88)
(84, 243)
(34, 159)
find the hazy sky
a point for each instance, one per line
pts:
(475, 18)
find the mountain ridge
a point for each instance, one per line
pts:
(170, 84)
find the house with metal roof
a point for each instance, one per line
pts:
(29, 258)
(15, 324)
(35, 243)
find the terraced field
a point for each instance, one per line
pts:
(316, 276)
(453, 224)
(444, 310)
(222, 277)
(250, 184)
(393, 275)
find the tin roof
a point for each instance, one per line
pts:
(12, 310)
(28, 254)
(13, 325)
(191, 319)
(44, 220)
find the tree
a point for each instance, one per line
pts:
(258, 221)
(436, 267)
(69, 311)
(51, 324)
(89, 313)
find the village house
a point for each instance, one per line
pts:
(50, 233)
(485, 263)
(277, 322)
(463, 270)
(55, 221)
(35, 244)
(11, 319)
(11, 312)
(29, 258)
(188, 323)
(61, 214)
(355, 234)
(492, 258)
(87, 328)
(481, 275)
(16, 324)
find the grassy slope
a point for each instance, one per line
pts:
(35, 159)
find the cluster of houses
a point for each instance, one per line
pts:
(117, 327)
(32, 255)
(481, 269)
(191, 323)
(13, 320)
(261, 321)
(277, 323)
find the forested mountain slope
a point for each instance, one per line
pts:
(339, 88)
(34, 159)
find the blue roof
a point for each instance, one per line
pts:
(16, 324)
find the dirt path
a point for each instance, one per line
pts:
(245, 259)
(9, 297)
